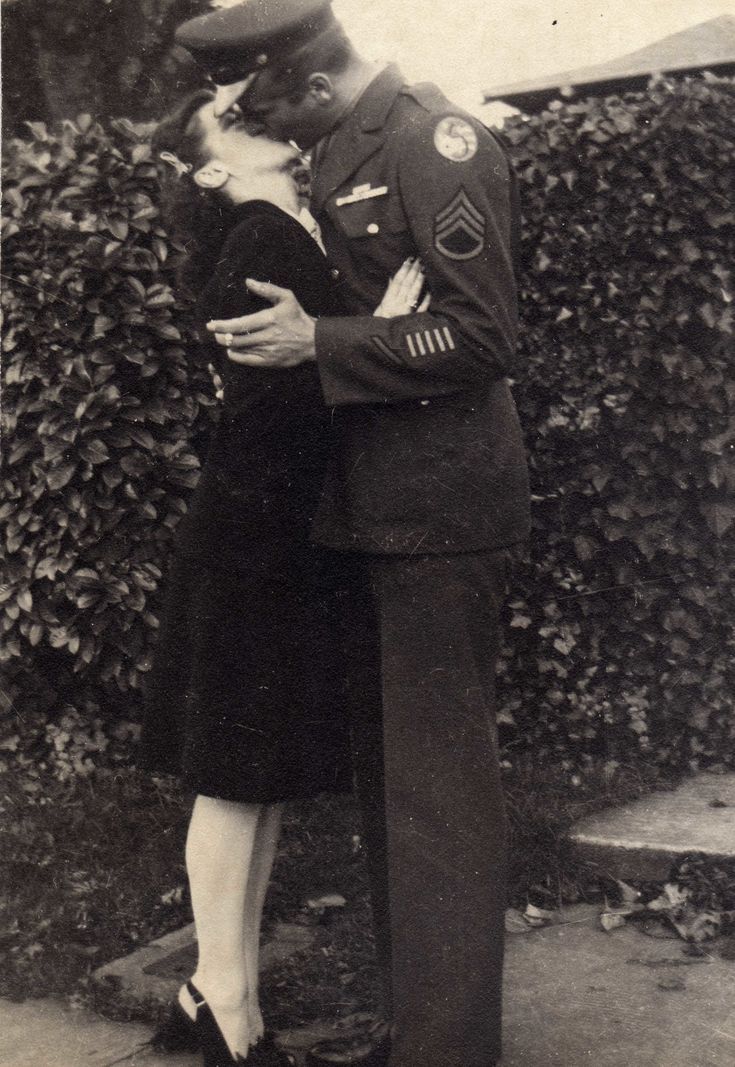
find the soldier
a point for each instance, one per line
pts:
(427, 493)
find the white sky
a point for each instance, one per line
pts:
(466, 46)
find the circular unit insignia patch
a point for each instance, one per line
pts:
(455, 139)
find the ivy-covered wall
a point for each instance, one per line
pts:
(621, 626)
(623, 631)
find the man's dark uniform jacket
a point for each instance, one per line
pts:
(428, 455)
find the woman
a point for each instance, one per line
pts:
(244, 698)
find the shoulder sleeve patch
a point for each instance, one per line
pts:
(459, 228)
(455, 139)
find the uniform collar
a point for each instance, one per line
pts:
(358, 136)
(372, 108)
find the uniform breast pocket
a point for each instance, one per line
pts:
(375, 219)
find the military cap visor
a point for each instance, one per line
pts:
(231, 43)
(227, 95)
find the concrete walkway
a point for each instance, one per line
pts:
(575, 996)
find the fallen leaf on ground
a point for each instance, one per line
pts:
(657, 928)
(537, 917)
(612, 920)
(698, 926)
(515, 923)
(628, 893)
(672, 897)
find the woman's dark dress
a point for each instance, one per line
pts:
(245, 696)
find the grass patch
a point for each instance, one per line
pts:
(93, 868)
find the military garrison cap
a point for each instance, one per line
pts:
(233, 43)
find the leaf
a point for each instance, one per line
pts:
(169, 332)
(629, 894)
(102, 324)
(118, 228)
(538, 917)
(141, 437)
(95, 451)
(719, 517)
(160, 249)
(612, 920)
(24, 600)
(515, 923)
(60, 477)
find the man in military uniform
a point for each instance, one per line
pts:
(427, 494)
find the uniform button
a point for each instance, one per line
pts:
(334, 272)
(373, 228)
(424, 403)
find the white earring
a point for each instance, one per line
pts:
(212, 175)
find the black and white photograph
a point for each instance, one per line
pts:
(367, 533)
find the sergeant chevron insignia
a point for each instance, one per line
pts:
(459, 228)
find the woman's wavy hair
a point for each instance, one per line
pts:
(198, 219)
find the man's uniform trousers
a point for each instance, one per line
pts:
(425, 748)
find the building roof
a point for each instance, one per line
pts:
(708, 45)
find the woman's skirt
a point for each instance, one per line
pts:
(246, 696)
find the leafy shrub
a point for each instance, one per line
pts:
(100, 406)
(623, 629)
(622, 639)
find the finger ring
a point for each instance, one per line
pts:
(229, 339)
(414, 304)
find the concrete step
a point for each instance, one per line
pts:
(156, 971)
(641, 840)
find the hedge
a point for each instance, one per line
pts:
(621, 626)
(101, 405)
(623, 637)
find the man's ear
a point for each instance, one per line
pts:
(212, 175)
(321, 88)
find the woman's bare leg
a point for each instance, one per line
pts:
(219, 859)
(264, 852)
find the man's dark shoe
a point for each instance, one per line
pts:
(361, 1050)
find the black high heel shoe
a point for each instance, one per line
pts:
(214, 1048)
(177, 1032)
